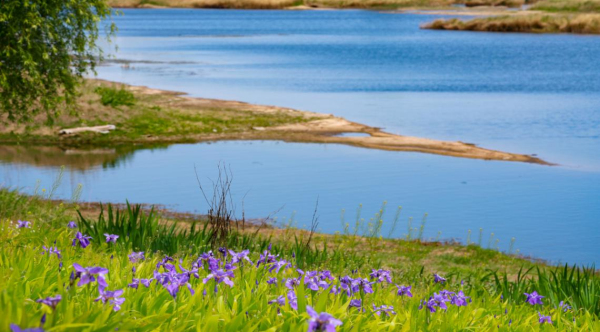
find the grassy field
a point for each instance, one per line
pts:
(279, 4)
(144, 115)
(188, 279)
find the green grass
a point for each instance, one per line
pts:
(497, 301)
(113, 97)
(569, 6)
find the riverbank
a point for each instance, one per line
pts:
(164, 117)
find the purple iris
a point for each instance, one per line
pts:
(404, 291)
(238, 257)
(112, 297)
(72, 224)
(564, 306)
(364, 284)
(534, 298)
(51, 301)
(459, 299)
(89, 274)
(291, 283)
(51, 250)
(434, 302)
(292, 299)
(280, 300)
(356, 303)
(111, 238)
(266, 258)
(136, 282)
(279, 264)
(272, 281)
(387, 309)
(82, 240)
(16, 328)
(135, 257)
(346, 284)
(545, 319)
(23, 224)
(438, 279)
(220, 276)
(322, 321)
(381, 276)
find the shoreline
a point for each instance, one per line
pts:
(307, 127)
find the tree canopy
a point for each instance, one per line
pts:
(46, 46)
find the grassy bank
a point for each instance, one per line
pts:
(269, 293)
(538, 23)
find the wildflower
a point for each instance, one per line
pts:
(545, 319)
(89, 274)
(404, 291)
(272, 281)
(438, 279)
(51, 250)
(359, 283)
(356, 303)
(346, 284)
(326, 275)
(564, 306)
(51, 301)
(322, 321)
(220, 276)
(111, 238)
(135, 257)
(111, 297)
(72, 224)
(381, 276)
(278, 265)
(292, 299)
(291, 283)
(534, 298)
(384, 308)
(434, 302)
(23, 224)
(280, 300)
(266, 258)
(82, 240)
(238, 257)
(459, 299)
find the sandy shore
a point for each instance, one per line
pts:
(325, 128)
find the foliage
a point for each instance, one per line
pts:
(47, 46)
(115, 97)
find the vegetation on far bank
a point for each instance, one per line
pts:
(538, 23)
(166, 273)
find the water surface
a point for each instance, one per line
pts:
(533, 94)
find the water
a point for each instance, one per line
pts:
(534, 94)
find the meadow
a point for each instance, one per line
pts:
(65, 267)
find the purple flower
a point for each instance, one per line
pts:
(223, 251)
(566, 307)
(291, 283)
(404, 291)
(280, 300)
(112, 297)
(16, 328)
(356, 303)
(326, 275)
(72, 224)
(23, 224)
(384, 308)
(89, 274)
(135, 257)
(220, 276)
(434, 302)
(82, 240)
(534, 298)
(238, 257)
(359, 283)
(459, 299)
(51, 250)
(292, 299)
(136, 282)
(279, 264)
(438, 279)
(111, 238)
(266, 258)
(545, 319)
(322, 321)
(51, 301)
(272, 281)
(346, 284)
(381, 276)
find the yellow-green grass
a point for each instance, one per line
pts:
(573, 6)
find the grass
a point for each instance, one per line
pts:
(569, 6)
(496, 295)
(149, 116)
(537, 23)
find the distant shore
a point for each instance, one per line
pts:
(160, 116)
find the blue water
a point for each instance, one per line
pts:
(533, 94)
